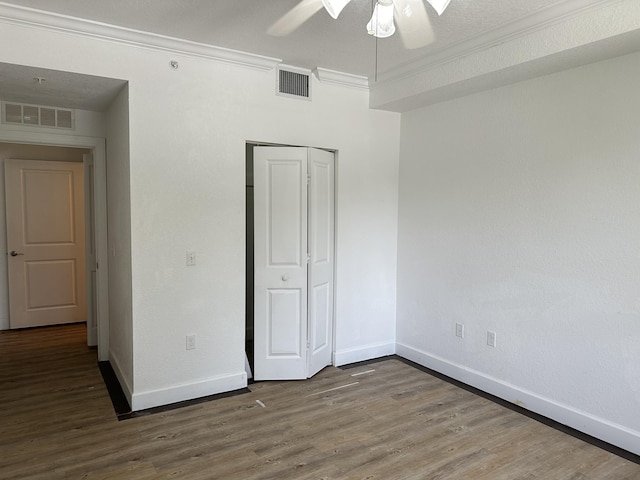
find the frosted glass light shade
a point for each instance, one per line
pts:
(381, 24)
(439, 5)
(334, 7)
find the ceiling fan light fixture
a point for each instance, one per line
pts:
(381, 24)
(439, 5)
(334, 7)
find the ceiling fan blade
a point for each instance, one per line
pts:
(413, 23)
(294, 18)
(439, 5)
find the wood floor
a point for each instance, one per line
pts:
(388, 421)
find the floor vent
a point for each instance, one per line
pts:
(292, 83)
(37, 116)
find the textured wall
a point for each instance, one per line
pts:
(520, 214)
(119, 240)
(187, 134)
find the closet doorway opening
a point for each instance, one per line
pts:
(290, 264)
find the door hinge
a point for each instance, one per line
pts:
(308, 258)
(308, 179)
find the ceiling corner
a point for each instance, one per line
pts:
(570, 34)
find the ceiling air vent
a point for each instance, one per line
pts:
(37, 116)
(293, 82)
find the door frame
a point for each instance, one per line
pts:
(98, 149)
(335, 152)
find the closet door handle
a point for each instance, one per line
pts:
(13, 253)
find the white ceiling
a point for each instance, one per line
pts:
(56, 88)
(479, 44)
(342, 45)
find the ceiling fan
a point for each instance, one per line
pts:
(410, 15)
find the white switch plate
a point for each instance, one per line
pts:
(459, 330)
(191, 342)
(191, 259)
(491, 338)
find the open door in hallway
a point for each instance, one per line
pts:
(294, 216)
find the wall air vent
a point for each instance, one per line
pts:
(36, 115)
(294, 82)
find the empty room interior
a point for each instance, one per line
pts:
(337, 239)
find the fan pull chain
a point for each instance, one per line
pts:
(375, 75)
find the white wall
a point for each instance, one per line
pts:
(187, 134)
(519, 213)
(22, 152)
(119, 241)
(188, 194)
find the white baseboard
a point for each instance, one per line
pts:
(595, 426)
(124, 383)
(366, 352)
(179, 393)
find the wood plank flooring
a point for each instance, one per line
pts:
(396, 422)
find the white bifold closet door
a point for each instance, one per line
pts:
(294, 259)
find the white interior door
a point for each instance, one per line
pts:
(46, 241)
(293, 247)
(280, 258)
(320, 293)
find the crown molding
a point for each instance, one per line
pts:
(24, 16)
(537, 21)
(588, 31)
(332, 77)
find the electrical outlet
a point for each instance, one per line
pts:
(459, 330)
(191, 342)
(191, 259)
(491, 338)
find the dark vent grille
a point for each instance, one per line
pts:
(65, 119)
(38, 116)
(292, 83)
(48, 117)
(30, 115)
(13, 113)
